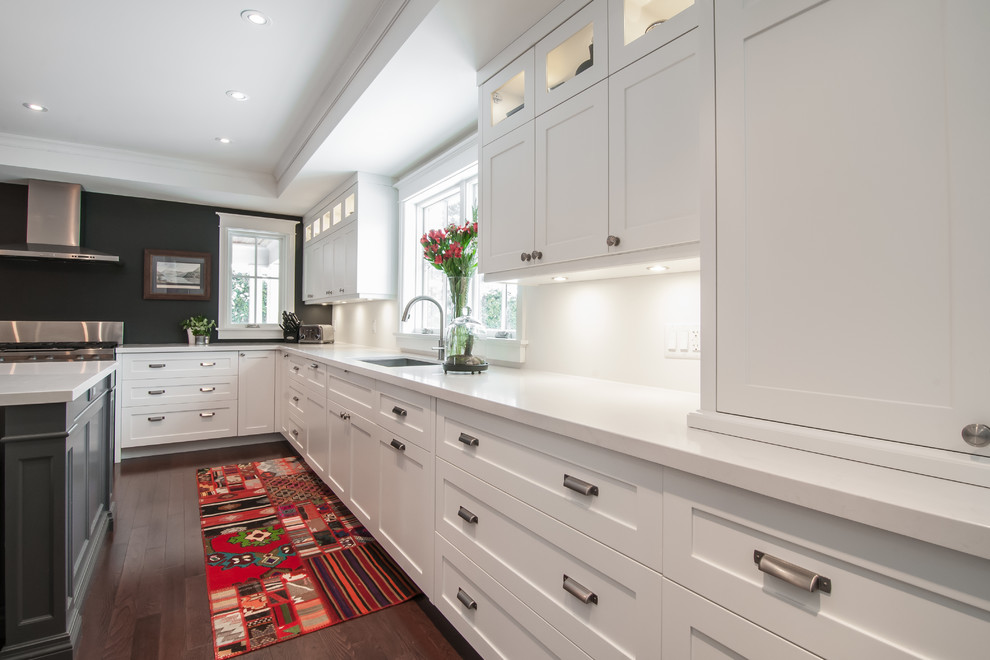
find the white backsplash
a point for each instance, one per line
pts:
(610, 329)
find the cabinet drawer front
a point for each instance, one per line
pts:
(295, 401)
(308, 373)
(158, 425)
(352, 391)
(498, 625)
(193, 363)
(887, 592)
(297, 433)
(530, 464)
(604, 602)
(697, 629)
(178, 390)
(407, 413)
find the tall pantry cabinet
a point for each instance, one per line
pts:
(852, 226)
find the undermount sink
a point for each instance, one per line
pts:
(400, 362)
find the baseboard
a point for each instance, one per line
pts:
(198, 445)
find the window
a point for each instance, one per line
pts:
(257, 275)
(444, 192)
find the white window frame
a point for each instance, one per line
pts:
(461, 161)
(284, 229)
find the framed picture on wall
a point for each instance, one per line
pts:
(176, 275)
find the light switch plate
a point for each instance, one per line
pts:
(682, 341)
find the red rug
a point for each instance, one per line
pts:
(284, 557)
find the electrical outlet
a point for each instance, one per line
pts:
(682, 341)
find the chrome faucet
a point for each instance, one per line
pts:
(405, 317)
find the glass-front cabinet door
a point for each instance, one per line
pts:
(507, 98)
(638, 27)
(573, 57)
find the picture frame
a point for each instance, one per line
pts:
(176, 275)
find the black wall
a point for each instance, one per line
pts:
(36, 290)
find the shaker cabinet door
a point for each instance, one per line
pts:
(507, 205)
(852, 274)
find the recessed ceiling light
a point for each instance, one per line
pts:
(657, 269)
(223, 140)
(255, 17)
(36, 107)
(237, 96)
(560, 279)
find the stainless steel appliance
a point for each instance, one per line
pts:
(315, 333)
(59, 341)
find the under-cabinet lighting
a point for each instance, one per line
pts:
(237, 96)
(255, 17)
(223, 140)
(36, 107)
(657, 269)
(560, 279)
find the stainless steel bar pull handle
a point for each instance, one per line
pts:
(791, 573)
(207, 364)
(466, 600)
(579, 485)
(209, 414)
(156, 419)
(207, 389)
(156, 391)
(467, 515)
(399, 411)
(156, 366)
(469, 440)
(314, 365)
(398, 445)
(579, 591)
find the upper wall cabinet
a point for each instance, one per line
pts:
(573, 57)
(638, 27)
(353, 257)
(507, 99)
(852, 229)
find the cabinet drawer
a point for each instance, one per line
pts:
(549, 565)
(194, 363)
(170, 391)
(308, 373)
(532, 465)
(297, 432)
(295, 401)
(352, 391)
(890, 596)
(157, 425)
(697, 629)
(493, 621)
(407, 413)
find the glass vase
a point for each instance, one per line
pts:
(462, 335)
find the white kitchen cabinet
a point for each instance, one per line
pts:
(338, 475)
(655, 124)
(877, 594)
(573, 57)
(508, 190)
(638, 27)
(572, 178)
(256, 398)
(405, 515)
(317, 434)
(851, 271)
(364, 498)
(697, 629)
(507, 98)
(355, 258)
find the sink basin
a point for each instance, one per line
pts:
(400, 362)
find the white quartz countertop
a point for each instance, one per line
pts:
(651, 423)
(25, 383)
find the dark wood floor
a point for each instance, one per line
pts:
(147, 598)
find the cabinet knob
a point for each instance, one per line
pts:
(242, 354)
(537, 254)
(612, 241)
(525, 256)
(341, 290)
(977, 435)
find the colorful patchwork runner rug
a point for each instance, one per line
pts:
(284, 557)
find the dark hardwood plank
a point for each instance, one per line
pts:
(148, 595)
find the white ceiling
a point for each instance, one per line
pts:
(136, 92)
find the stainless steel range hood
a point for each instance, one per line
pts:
(53, 225)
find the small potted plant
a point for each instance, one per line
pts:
(198, 329)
